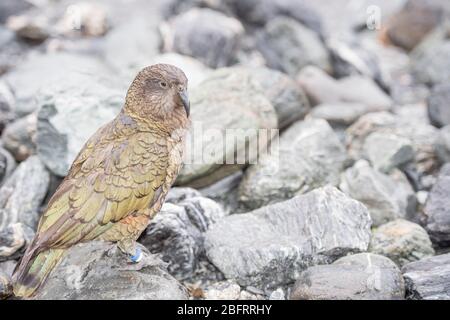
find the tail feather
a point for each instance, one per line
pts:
(33, 270)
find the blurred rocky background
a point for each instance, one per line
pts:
(360, 91)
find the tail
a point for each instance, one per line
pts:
(33, 270)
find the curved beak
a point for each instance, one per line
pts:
(185, 100)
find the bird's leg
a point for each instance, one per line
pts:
(128, 247)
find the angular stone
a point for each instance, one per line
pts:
(270, 246)
(428, 279)
(386, 197)
(437, 208)
(439, 105)
(289, 46)
(401, 241)
(99, 270)
(205, 34)
(310, 155)
(363, 276)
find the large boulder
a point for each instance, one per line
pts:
(100, 271)
(226, 110)
(270, 246)
(363, 276)
(310, 155)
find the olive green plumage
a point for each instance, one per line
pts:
(119, 179)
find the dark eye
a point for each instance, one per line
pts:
(163, 84)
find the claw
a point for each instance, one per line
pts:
(137, 256)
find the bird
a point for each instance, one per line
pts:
(119, 179)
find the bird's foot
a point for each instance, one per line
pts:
(128, 247)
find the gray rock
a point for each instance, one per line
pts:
(179, 194)
(260, 12)
(270, 246)
(428, 279)
(437, 208)
(7, 165)
(340, 113)
(443, 144)
(439, 105)
(205, 34)
(99, 270)
(363, 276)
(7, 105)
(6, 289)
(227, 105)
(289, 46)
(70, 112)
(386, 197)
(177, 232)
(401, 241)
(225, 290)
(387, 151)
(19, 137)
(11, 50)
(20, 199)
(310, 155)
(28, 78)
(322, 88)
(277, 295)
(12, 7)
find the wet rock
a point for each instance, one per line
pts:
(340, 113)
(401, 241)
(386, 197)
(310, 155)
(70, 112)
(20, 199)
(227, 105)
(437, 208)
(443, 144)
(428, 278)
(205, 34)
(7, 165)
(439, 105)
(289, 46)
(322, 88)
(177, 232)
(270, 246)
(363, 276)
(28, 78)
(7, 105)
(387, 151)
(261, 12)
(99, 270)
(19, 137)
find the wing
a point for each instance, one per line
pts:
(114, 175)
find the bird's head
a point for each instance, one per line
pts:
(159, 92)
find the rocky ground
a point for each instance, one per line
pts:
(359, 207)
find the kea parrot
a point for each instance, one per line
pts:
(118, 181)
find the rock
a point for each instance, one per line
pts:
(310, 155)
(227, 105)
(92, 20)
(12, 7)
(321, 88)
(177, 194)
(386, 197)
(7, 165)
(387, 151)
(19, 137)
(6, 289)
(261, 12)
(70, 112)
(289, 46)
(413, 22)
(225, 191)
(8, 267)
(27, 79)
(30, 28)
(443, 144)
(340, 113)
(428, 278)
(195, 71)
(7, 105)
(226, 290)
(270, 246)
(20, 199)
(98, 270)
(177, 232)
(176, 7)
(401, 241)
(205, 34)
(11, 50)
(363, 276)
(131, 45)
(439, 105)
(277, 295)
(437, 209)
